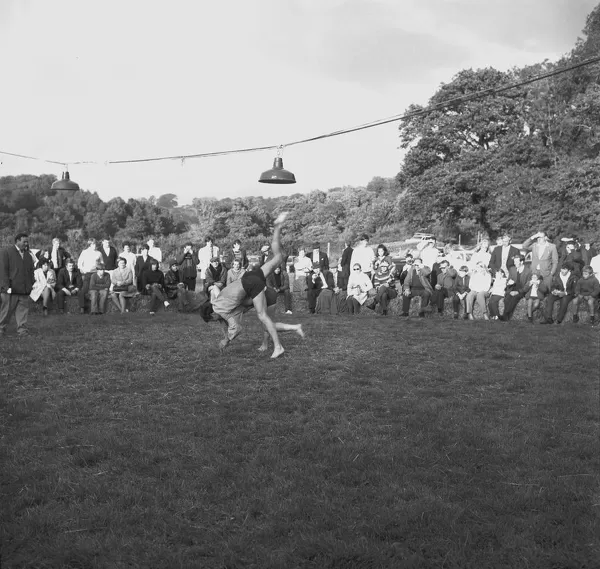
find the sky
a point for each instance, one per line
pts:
(122, 80)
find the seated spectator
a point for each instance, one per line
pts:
(497, 293)
(314, 284)
(519, 281)
(188, 266)
(479, 285)
(279, 283)
(174, 285)
(461, 290)
(595, 264)
(384, 281)
(587, 289)
(341, 286)
(69, 282)
(130, 257)
(153, 284)
(327, 301)
(359, 285)
(99, 286)
(534, 295)
(544, 257)
(122, 286)
(443, 282)
(415, 283)
(143, 264)
(503, 255)
(235, 273)
(43, 286)
(561, 290)
(216, 278)
(571, 255)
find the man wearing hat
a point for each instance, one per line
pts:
(216, 278)
(99, 287)
(319, 257)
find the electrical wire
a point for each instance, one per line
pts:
(405, 116)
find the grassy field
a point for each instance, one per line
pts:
(130, 441)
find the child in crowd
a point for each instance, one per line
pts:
(497, 293)
(534, 295)
(588, 290)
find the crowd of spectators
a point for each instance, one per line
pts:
(495, 279)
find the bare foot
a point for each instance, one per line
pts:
(263, 348)
(278, 351)
(300, 332)
(281, 217)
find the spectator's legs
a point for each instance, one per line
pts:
(312, 299)
(563, 306)
(190, 283)
(494, 305)
(21, 312)
(102, 298)
(406, 303)
(60, 299)
(116, 300)
(287, 297)
(94, 302)
(550, 300)
(46, 297)
(470, 302)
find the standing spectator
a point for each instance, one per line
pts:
(415, 282)
(87, 262)
(479, 285)
(461, 290)
(481, 254)
(302, 268)
(45, 281)
(503, 255)
(266, 254)
(314, 284)
(519, 282)
(236, 253)
(204, 256)
(109, 255)
(345, 263)
(153, 284)
(143, 264)
(429, 253)
(216, 278)
(363, 255)
(534, 295)
(188, 263)
(154, 251)
(122, 286)
(278, 281)
(595, 264)
(588, 252)
(544, 257)
(587, 289)
(497, 292)
(562, 290)
(99, 286)
(235, 273)
(174, 286)
(571, 255)
(69, 282)
(16, 283)
(320, 257)
(58, 255)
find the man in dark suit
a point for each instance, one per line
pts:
(58, 255)
(320, 257)
(109, 255)
(69, 282)
(503, 255)
(16, 282)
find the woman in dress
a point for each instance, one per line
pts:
(43, 286)
(122, 286)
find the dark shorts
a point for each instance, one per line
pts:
(254, 282)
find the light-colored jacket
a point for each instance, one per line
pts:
(43, 280)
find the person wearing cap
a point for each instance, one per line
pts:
(205, 254)
(265, 254)
(216, 278)
(363, 255)
(153, 284)
(562, 290)
(99, 286)
(319, 257)
(461, 290)
(175, 285)
(314, 284)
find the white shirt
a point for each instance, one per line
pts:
(87, 261)
(204, 256)
(595, 264)
(363, 256)
(155, 253)
(564, 279)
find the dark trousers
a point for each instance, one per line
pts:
(60, 299)
(157, 297)
(563, 305)
(414, 292)
(384, 295)
(287, 298)
(457, 303)
(313, 293)
(494, 304)
(510, 305)
(438, 297)
(353, 305)
(17, 304)
(190, 283)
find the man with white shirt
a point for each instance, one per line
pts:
(363, 255)
(205, 254)
(154, 251)
(503, 255)
(87, 262)
(16, 282)
(58, 255)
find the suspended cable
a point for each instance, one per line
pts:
(421, 112)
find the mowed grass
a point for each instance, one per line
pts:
(131, 441)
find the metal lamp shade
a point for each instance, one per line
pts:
(65, 184)
(277, 175)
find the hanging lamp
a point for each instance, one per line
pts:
(65, 184)
(277, 174)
